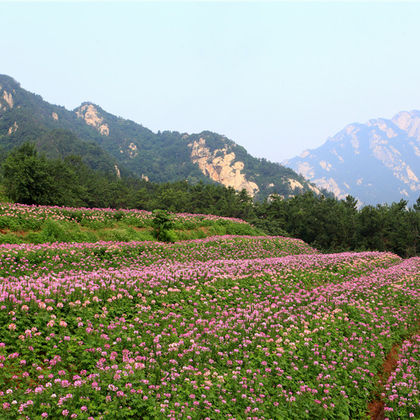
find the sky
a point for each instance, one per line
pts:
(276, 77)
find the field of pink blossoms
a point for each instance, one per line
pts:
(226, 327)
(38, 214)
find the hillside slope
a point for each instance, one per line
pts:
(113, 143)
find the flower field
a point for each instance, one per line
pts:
(34, 214)
(403, 385)
(30, 259)
(229, 327)
(20, 224)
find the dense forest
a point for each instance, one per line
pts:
(323, 222)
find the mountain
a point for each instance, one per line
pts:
(24, 116)
(111, 143)
(375, 162)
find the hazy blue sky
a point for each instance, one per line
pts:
(275, 77)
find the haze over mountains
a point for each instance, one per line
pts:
(376, 162)
(113, 144)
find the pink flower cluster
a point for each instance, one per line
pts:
(227, 328)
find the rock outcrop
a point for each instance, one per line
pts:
(90, 114)
(221, 166)
(6, 99)
(117, 171)
(13, 128)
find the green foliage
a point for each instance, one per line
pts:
(33, 179)
(163, 225)
(54, 232)
(326, 223)
(336, 225)
(26, 176)
(164, 157)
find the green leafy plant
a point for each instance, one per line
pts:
(163, 226)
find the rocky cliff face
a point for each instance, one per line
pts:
(6, 99)
(376, 162)
(90, 114)
(221, 166)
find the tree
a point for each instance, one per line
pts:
(416, 206)
(163, 224)
(26, 176)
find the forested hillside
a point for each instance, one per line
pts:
(119, 146)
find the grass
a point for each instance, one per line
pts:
(30, 224)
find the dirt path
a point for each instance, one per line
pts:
(376, 407)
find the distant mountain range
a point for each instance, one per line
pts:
(376, 162)
(115, 145)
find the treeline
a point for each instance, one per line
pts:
(31, 178)
(338, 225)
(325, 223)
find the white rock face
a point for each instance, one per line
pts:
(54, 116)
(339, 157)
(325, 165)
(330, 184)
(295, 184)
(306, 170)
(314, 189)
(117, 171)
(8, 98)
(409, 122)
(89, 113)
(355, 143)
(13, 128)
(221, 167)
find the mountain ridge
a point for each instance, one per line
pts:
(128, 146)
(377, 161)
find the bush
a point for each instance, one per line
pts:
(10, 238)
(52, 231)
(163, 225)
